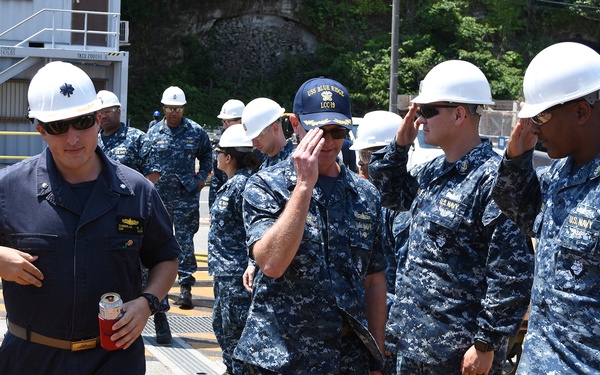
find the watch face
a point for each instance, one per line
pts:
(482, 346)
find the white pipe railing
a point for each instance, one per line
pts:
(112, 33)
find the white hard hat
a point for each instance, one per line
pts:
(258, 114)
(108, 99)
(232, 108)
(173, 96)
(60, 91)
(454, 81)
(558, 74)
(235, 136)
(377, 128)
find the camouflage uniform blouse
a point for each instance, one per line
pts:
(173, 153)
(124, 146)
(468, 269)
(295, 321)
(227, 250)
(561, 209)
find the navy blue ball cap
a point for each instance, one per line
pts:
(323, 101)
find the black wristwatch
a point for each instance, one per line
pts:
(152, 301)
(483, 346)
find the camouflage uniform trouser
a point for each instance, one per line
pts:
(230, 311)
(184, 209)
(354, 359)
(408, 366)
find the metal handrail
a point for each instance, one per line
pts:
(85, 31)
(16, 157)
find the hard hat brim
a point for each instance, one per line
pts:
(227, 117)
(47, 116)
(425, 99)
(357, 145)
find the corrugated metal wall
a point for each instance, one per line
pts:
(13, 100)
(13, 112)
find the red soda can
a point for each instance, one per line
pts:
(110, 311)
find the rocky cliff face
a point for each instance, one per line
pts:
(239, 38)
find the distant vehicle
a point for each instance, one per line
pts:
(420, 152)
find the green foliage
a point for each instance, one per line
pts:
(499, 36)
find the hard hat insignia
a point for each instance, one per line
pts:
(174, 96)
(67, 90)
(327, 96)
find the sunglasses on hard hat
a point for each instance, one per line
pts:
(339, 133)
(171, 109)
(60, 127)
(430, 110)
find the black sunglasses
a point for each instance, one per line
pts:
(60, 127)
(336, 133)
(430, 110)
(543, 117)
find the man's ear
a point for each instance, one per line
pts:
(461, 112)
(584, 111)
(40, 130)
(294, 120)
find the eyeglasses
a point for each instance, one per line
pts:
(170, 109)
(262, 133)
(543, 117)
(60, 127)
(337, 133)
(430, 110)
(108, 111)
(222, 152)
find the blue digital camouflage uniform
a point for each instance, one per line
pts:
(124, 146)
(268, 161)
(173, 153)
(468, 269)
(227, 261)
(219, 177)
(396, 224)
(283, 154)
(217, 180)
(560, 209)
(300, 323)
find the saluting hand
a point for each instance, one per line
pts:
(409, 128)
(306, 157)
(521, 139)
(16, 266)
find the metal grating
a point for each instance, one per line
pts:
(182, 359)
(183, 324)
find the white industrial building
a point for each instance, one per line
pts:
(33, 33)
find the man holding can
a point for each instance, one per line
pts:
(74, 225)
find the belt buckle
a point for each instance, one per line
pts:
(83, 345)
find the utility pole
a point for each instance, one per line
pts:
(394, 57)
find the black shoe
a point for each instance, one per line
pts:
(161, 325)
(185, 299)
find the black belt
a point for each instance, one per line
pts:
(31, 336)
